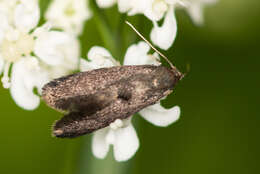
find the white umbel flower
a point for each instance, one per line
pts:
(155, 10)
(68, 15)
(121, 133)
(165, 35)
(34, 53)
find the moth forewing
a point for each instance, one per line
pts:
(96, 98)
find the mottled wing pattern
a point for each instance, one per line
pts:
(96, 98)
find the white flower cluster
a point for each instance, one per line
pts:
(30, 56)
(162, 36)
(121, 133)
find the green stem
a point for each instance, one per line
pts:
(43, 6)
(120, 37)
(104, 29)
(72, 154)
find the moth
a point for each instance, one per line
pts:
(94, 99)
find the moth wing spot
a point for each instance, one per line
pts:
(140, 87)
(124, 95)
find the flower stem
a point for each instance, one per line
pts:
(108, 37)
(120, 38)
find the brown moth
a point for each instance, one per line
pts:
(94, 99)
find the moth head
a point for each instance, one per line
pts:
(165, 78)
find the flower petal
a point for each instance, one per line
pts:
(26, 15)
(124, 5)
(195, 10)
(126, 143)
(58, 71)
(160, 116)
(105, 3)
(1, 64)
(99, 58)
(137, 54)
(165, 35)
(171, 1)
(68, 15)
(57, 48)
(99, 145)
(134, 6)
(196, 13)
(84, 65)
(155, 9)
(4, 26)
(26, 76)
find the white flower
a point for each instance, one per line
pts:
(121, 133)
(155, 10)
(68, 15)
(23, 14)
(195, 9)
(105, 3)
(165, 35)
(34, 53)
(59, 50)
(27, 75)
(98, 58)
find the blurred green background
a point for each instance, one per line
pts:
(219, 127)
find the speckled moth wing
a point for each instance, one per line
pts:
(96, 98)
(89, 82)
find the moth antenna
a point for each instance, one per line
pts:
(139, 34)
